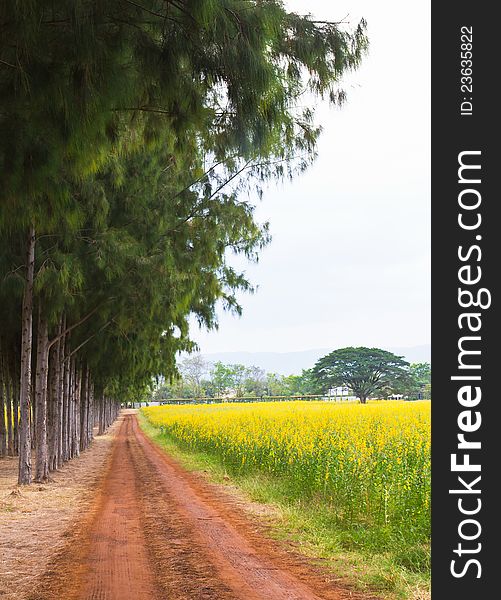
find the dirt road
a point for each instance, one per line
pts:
(161, 533)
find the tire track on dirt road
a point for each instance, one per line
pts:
(118, 564)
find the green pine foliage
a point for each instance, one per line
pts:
(130, 133)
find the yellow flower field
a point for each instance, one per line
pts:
(370, 463)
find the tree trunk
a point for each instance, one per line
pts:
(71, 407)
(84, 407)
(32, 396)
(54, 405)
(75, 426)
(61, 369)
(42, 456)
(363, 399)
(101, 415)
(51, 412)
(10, 429)
(15, 416)
(24, 477)
(3, 430)
(90, 413)
(66, 409)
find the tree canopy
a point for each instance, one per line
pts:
(129, 134)
(366, 371)
(200, 378)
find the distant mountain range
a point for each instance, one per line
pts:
(288, 363)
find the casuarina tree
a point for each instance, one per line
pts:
(127, 131)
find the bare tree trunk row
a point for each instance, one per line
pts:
(108, 412)
(65, 410)
(49, 404)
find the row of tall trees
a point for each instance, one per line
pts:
(129, 134)
(365, 372)
(201, 378)
(65, 411)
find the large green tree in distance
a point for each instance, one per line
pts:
(366, 371)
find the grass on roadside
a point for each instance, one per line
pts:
(399, 574)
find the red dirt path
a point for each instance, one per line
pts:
(161, 533)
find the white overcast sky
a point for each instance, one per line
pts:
(349, 263)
